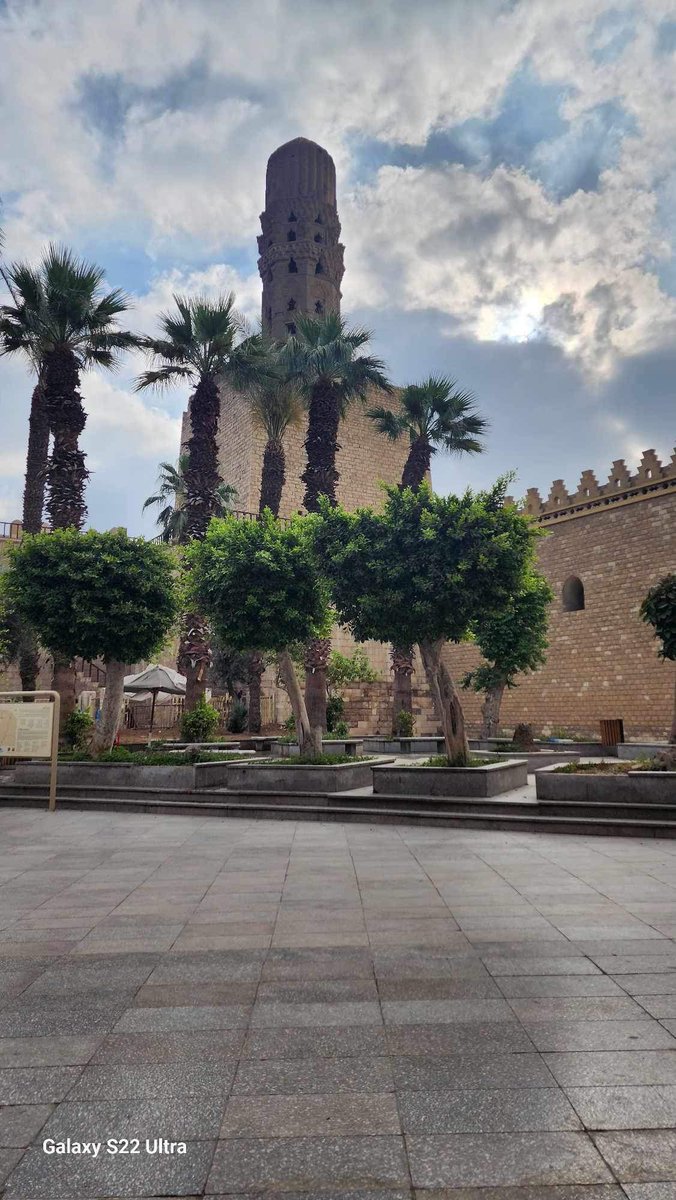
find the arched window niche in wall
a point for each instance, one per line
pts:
(573, 594)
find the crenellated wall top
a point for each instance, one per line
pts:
(622, 486)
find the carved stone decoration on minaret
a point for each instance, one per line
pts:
(301, 258)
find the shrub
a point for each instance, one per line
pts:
(236, 722)
(335, 709)
(78, 726)
(404, 724)
(200, 724)
(664, 761)
(341, 729)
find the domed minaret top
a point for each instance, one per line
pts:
(301, 258)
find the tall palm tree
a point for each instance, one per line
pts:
(324, 359)
(434, 415)
(202, 340)
(170, 499)
(275, 406)
(62, 321)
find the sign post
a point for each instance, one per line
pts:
(31, 731)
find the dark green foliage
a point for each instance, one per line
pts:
(425, 568)
(659, 610)
(259, 583)
(10, 628)
(442, 760)
(237, 718)
(200, 724)
(404, 724)
(335, 707)
(319, 760)
(154, 758)
(95, 595)
(341, 729)
(77, 728)
(513, 639)
(170, 499)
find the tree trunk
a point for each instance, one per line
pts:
(316, 663)
(321, 446)
(202, 476)
(66, 471)
(672, 735)
(255, 672)
(402, 691)
(36, 462)
(417, 464)
(64, 682)
(490, 710)
(309, 739)
(447, 702)
(194, 657)
(273, 476)
(106, 730)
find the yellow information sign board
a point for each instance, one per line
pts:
(31, 731)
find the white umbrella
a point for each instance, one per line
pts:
(151, 682)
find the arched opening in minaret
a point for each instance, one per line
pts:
(292, 329)
(319, 307)
(291, 305)
(291, 235)
(293, 267)
(318, 237)
(269, 276)
(319, 269)
(318, 219)
(292, 217)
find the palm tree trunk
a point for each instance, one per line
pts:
(273, 476)
(33, 504)
(66, 471)
(202, 476)
(256, 667)
(402, 691)
(417, 464)
(672, 735)
(447, 703)
(106, 732)
(320, 478)
(194, 657)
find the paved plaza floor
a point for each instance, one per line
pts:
(333, 1011)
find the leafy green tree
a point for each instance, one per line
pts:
(10, 628)
(434, 416)
(511, 641)
(259, 584)
(424, 571)
(659, 610)
(324, 359)
(96, 595)
(170, 500)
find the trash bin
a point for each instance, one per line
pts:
(612, 732)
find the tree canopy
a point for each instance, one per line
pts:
(94, 595)
(659, 610)
(515, 638)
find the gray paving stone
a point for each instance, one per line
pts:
(183, 1046)
(190, 1118)
(600, 1035)
(339, 1013)
(89, 1014)
(325, 1042)
(613, 1068)
(20, 1123)
(318, 964)
(308, 1164)
(471, 1071)
(485, 1110)
(194, 995)
(36, 1085)
(637, 964)
(436, 1012)
(445, 988)
(455, 1037)
(640, 1156)
(110, 975)
(650, 1191)
(651, 1107)
(307, 991)
(352, 1114)
(47, 1051)
(486, 1160)
(535, 965)
(577, 1008)
(147, 1020)
(153, 1081)
(659, 1006)
(8, 1160)
(215, 967)
(656, 984)
(41, 1175)
(516, 986)
(589, 1191)
(321, 1075)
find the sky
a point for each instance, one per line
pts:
(506, 186)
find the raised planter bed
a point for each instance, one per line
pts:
(643, 787)
(581, 749)
(404, 745)
(632, 750)
(491, 780)
(129, 775)
(301, 777)
(535, 759)
(349, 746)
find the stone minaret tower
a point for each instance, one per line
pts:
(301, 259)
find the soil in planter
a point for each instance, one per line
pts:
(321, 760)
(440, 760)
(665, 761)
(154, 758)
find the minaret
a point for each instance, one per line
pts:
(301, 259)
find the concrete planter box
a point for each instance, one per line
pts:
(301, 777)
(351, 746)
(643, 787)
(628, 750)
(537, 758)
(580, 749)
(127, 775)
(490, 780)
(404, 745)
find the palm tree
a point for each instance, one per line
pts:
(435, 416)
(275, 406)
(170, 499)
(324, 360)
(63, 322)
(203, 341)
